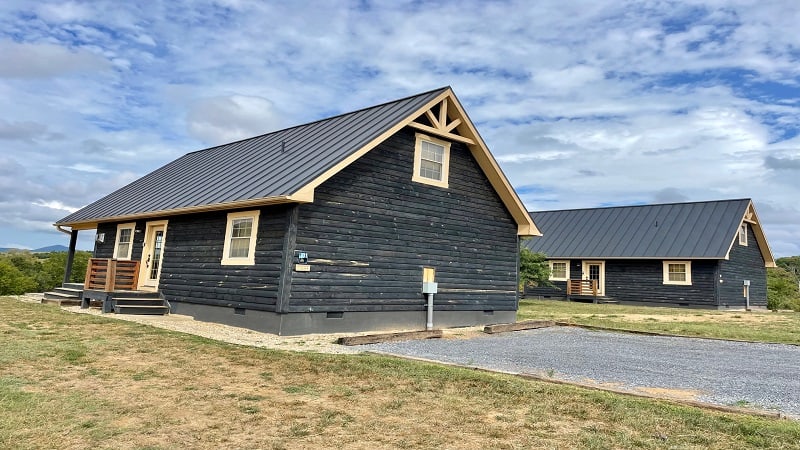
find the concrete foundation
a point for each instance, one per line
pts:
(292, 324)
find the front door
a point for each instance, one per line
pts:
(152, 255)
(596, 270)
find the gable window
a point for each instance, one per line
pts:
(431, 161)
(743, 234)
(678, 272)
(240, 238)
(559, 270)
(123, 247)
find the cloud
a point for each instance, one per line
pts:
(26, 60)
(218, 120)
(55, 204)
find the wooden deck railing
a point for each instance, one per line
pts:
(582, 287)
(111, 275)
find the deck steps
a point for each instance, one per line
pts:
(151, 304)
(69, 294)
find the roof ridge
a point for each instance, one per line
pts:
(282, 130)
(644, 205)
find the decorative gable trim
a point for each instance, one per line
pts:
(454, 124)
(750, 217)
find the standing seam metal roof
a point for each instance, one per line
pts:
(665, 231)
(253, 168)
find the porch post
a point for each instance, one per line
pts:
(73, 239)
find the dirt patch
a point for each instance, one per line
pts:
(756, 316)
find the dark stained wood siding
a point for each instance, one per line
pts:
(643, 281)
(744, 263)
(371, 230)
(105, 249)
(191, 270)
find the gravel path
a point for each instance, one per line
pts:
(720, 372)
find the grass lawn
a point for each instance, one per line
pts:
(80, 381)
(762, 326)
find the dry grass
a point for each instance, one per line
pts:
(80, 381)
(758, 325)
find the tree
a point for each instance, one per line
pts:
(782, 289)
(533, 269)
(13, 281)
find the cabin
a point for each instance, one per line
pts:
(710, 254)
(328, 226)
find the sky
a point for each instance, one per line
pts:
(583, 103)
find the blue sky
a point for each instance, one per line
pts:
(583, 103)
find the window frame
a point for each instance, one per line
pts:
(743, 234)
(124, 226)
(416, 177)
(687, 266)
(250, 259)
(566, 271)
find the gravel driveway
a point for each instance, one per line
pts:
(720, 372)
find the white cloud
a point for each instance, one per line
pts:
(24, 60)
(219, 120)
(55, 204)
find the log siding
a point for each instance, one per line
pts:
(744, 263)
(371, 230)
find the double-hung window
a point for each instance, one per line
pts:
(431, 161)
(678, 272)
(123, 246)
(240, 238)
(559, 270)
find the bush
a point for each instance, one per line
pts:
(533, 269)
(782, 289)
(22, 272)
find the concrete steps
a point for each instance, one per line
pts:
(69, 294)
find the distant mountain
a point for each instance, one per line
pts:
(51, 248)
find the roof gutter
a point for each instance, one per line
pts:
(58, 227)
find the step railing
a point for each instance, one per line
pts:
(582, 287)
(105, 274)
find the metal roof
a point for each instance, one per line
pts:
(274, 165)
(699, 230)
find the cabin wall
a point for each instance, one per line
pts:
(191, 271)
(105, 249)
(744, 263)
(642, 281)
(371, 230)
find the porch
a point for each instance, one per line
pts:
(114, 284)
(583, 290)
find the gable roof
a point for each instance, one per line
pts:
(286, 166)
(698, 230)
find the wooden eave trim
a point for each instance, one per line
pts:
(92, 224)
(751, 217)
(440, 133)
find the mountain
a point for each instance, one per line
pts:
(51, 248)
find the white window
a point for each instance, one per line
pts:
(559, 270)
(743, 234)
(123, 247)
(678, 272)
(240, 238)
(431, 161)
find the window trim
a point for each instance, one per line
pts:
(250, 259)
(688, 267)
(443, 183)
(120, 227)
(566, 272)
(743, 234)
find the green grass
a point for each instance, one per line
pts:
(757, 326)
(191, 392)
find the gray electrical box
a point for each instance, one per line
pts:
(747, 282)
(429, 287)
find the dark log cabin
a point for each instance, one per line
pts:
(703, 254)
(322, 227)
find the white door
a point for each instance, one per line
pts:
(152, 255)
(596, 270)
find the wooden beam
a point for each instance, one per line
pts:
(73, 239)
(443, 134)
(432, 118)
(518, 326)
(452, 125)
(389, 337)
(443, 114)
